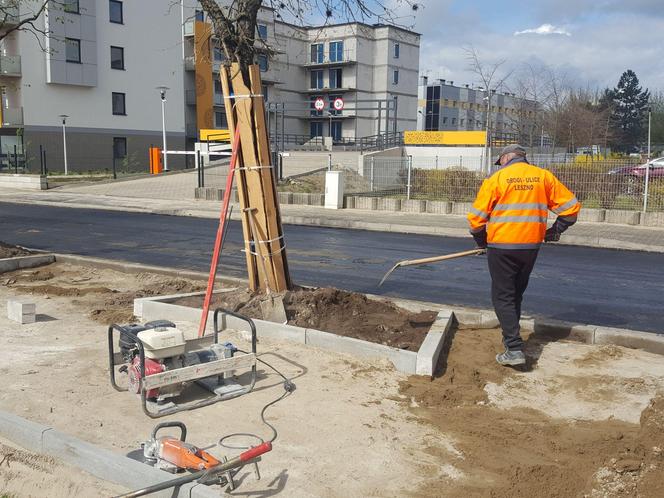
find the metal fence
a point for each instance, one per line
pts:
(607, 184)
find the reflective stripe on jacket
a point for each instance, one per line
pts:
(512, 205)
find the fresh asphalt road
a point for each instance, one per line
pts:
(579, 284)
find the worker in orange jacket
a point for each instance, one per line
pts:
(509, 218)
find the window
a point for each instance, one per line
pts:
(462, 121)
(119, 147)
(265, 94)
(200, 15)
(262, 31)
(115, 11)
(217, 86)
(315, 129)
(432, 109)
(444, 119)
(73, 50)
(220, 120)
(316, 79)
(119, 104)
(336, 51)
(395, 77)
(71, 6)
(317, 53)
(453, 121)
(397, 49)
(218, 54)
(335, 78)
(117, 58)
(335, 132)
(262, 62)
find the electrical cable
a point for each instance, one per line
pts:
(289, 387)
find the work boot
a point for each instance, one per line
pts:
(512, 358)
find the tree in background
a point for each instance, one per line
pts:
(657, 124)
(628, 106)
(23, 16)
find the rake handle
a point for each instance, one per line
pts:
(433, 259)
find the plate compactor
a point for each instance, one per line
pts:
(162, 366)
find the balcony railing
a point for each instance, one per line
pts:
(343, 57)
(10, 65)
(12, 117)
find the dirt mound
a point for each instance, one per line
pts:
(524, 452)
(10, 251)
(333, 310)
(56, 290)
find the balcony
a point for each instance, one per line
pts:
(189, 28)
(10, 65)
(12, 117)
(9, 15)
(334, 59)
(190, 63)
(332, 90)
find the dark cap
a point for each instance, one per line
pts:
(516, 148)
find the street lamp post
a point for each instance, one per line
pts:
(487, 147)
(162, 90)
(64, 139)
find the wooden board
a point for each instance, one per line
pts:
(252, 273)
(200, 371)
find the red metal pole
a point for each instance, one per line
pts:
(220, 234)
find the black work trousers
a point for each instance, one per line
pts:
(510, 270)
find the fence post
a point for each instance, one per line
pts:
(436, 162)
(329, 162)
(41, 160)
(372, 174)
(45, 167)
(201, 168)
(645, 190)
(15, 160)
(410, 169)
(460, 161)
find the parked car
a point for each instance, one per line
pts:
(656, 169)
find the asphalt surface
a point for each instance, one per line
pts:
(585, 285)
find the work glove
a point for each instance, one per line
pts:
(552, 235)
(480, 239)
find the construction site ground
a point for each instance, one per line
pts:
(582, 421)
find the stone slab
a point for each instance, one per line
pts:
(653, 343)
(366, 203)
(413, 206)
(439, 207)
(427, 355)
(403, 361)
(565, 330)
(592, 215)
(22, 262)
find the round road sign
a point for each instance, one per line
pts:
(319, 104)
(338, 104)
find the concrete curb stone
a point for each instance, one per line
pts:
(22, 262)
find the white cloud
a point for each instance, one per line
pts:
(544, 29)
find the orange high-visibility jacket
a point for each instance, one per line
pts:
(512, 205)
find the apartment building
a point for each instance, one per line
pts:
(443, 106)
(99, 65)
(373, 69)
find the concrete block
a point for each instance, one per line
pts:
(21, 431)
(285, 197)
(366, 203)
(384, 204)
(623, 217)
(652, 219)
(592, 215)
(27, 182)
(563, 330)
(279, 331)
(21, 262)
(651, 342)
(349, 202)
(439, 207)
(316, 199)
(413, 206)
(461, 208)
(427, 356)
(21, 311)
(403, 361)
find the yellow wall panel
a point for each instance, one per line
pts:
(444, 137)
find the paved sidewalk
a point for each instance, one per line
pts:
(604, 235)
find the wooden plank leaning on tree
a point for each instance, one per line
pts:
(276, 248)
(250, 169)
(252, 273)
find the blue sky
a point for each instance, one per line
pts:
(591, 42)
